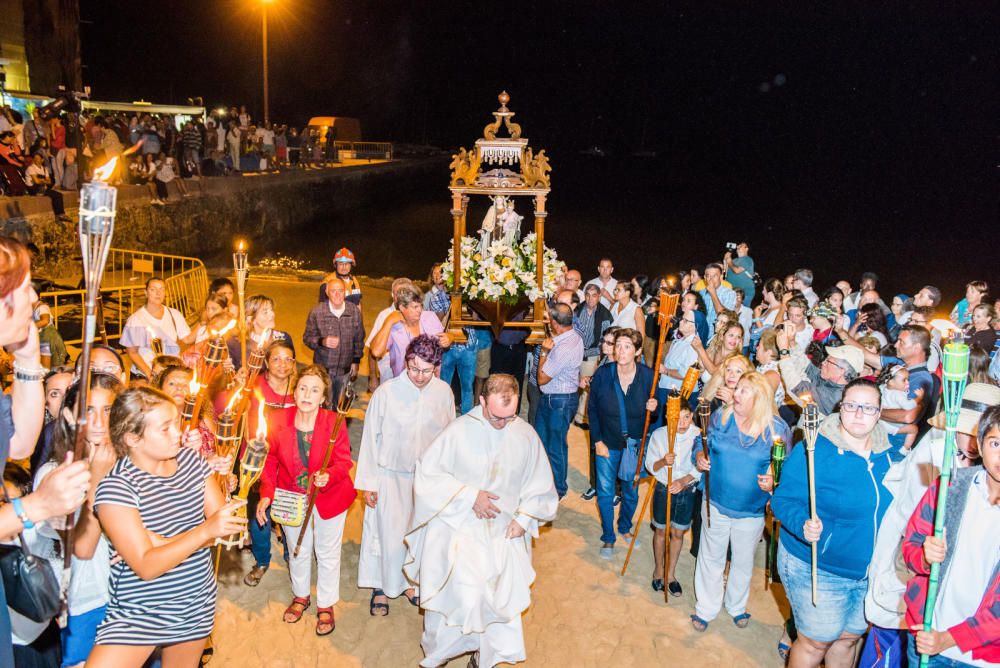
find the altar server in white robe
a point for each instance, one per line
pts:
(480, 491)
(404, 416)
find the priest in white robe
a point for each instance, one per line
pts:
(480, 491)
(404, 416)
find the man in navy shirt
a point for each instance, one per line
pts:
(912, 350)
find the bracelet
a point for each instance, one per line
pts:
(29, 375)
(21, 515)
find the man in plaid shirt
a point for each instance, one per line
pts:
(336, 334)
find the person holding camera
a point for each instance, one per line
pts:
(740, 270)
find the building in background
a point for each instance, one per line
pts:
(40, 46)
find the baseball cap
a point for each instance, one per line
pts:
(850, 354)
(975, 400)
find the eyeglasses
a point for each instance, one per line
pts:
(854, 407)
(499, 421)
(605, 342)
(420, 372)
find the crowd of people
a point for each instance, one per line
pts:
(455, 485)
(58, 152)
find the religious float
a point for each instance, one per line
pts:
(505, 278)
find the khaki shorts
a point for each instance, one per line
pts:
(483, 363)
(588, 366)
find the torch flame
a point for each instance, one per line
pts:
(807, 398)
(261, 420)
(946, 327)
(240, 246)
(104, 172)
(232, 402)
(193, 386)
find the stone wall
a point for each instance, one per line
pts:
(220, 208)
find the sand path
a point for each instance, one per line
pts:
(583, 613)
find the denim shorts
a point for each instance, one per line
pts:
(840, 604)
(681, 508)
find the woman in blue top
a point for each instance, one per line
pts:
(739, 444)
(851, 459)
(623, 382)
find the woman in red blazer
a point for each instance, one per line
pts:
(300, 435)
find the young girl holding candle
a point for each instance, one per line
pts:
(162, 519)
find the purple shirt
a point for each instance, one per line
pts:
(399, 339)
(562, 364)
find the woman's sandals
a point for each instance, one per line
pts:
(293, 612)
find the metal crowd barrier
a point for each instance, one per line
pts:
(364, 150)
(123, 291)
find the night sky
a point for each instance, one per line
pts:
(868, 130)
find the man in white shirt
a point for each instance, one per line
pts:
(480, 491)
(803, 283)
(605, 282)
(153, 324)
(404, 416)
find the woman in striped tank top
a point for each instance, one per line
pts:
(162, 518)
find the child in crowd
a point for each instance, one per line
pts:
(894, 385)
(966, 622)
(685, 477)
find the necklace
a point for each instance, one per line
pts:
(739, 434)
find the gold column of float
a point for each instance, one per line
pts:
(540, 215)
(458, 216)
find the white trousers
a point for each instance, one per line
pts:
(743, 534)
(499, 643)
(380, 564)
(324, 537)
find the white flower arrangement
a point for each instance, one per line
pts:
(506, 273)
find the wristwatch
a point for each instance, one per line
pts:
(21, 515)
(29, 375)
(784, 352)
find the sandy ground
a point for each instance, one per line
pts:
(583, 612)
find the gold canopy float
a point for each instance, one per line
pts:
(501, 274)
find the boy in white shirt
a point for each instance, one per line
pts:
(685, 478)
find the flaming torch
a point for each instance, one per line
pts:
(811, 424)
(704, 417)
(98, 202)
(190, 403)
(155, 342)
(240, 267)
(955, 366)
(251, 466)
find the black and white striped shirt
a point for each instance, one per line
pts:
(180, 604)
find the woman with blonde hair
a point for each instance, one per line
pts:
(722, 384)
(727, 340)
(261, 330)
(739, 444)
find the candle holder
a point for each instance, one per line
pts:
(690, 381)
(251, 467)
(811, 425)
(155, 343)
(955, 373)
(241, 270)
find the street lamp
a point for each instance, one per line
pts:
(263, 11)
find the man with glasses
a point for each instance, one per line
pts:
(480, 491)
(825, 384)
(404, 416)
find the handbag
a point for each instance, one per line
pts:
(288, 507)
(630, 453)
(29, 582)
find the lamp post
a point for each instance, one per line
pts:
(263, 13)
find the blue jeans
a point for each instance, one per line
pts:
(460, 359)
(607, 474)
(260, 535)
(936, 661)
(555, 412)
